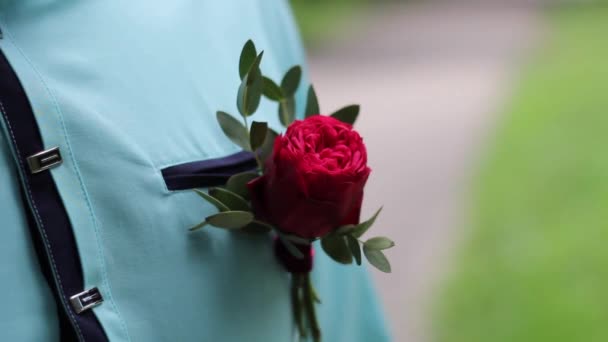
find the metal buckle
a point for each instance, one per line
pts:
(44, 160)
(86, 300)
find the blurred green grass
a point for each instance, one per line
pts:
(322, 20)
(534, 266)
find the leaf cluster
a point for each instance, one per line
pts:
(344, 245)
(232, 201)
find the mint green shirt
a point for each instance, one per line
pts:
(126, 89)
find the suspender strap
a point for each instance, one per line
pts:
(49, 220)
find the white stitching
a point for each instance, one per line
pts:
(42, 229)
(100, 253)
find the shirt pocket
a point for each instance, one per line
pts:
(207, 173)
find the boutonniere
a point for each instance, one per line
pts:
(308, 185)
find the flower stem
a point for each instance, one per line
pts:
(310, 308)
(296, 303)
(255, 153)
(284, 108)
(259, 161)
(313, 292)
(247, 129)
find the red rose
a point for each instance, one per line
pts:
(314, 180)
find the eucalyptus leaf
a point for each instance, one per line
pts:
(250, 90)
(347, 229)
(287, 111)
(238, 183)
(379, 243)
(312, 103)
(347, 114)
(214, 201)
(258, 134)
(255, 69)
(230, 199)
(377, 259)
(362, 228)
(249, 95)
(234, 130)
(257, 227)
(198, 226)
(266, 150)
(291, 81)
(355, 249)
(248, 55)
(272, 91)
(336, 247)
(230, 219)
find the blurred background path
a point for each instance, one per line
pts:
(430, 79)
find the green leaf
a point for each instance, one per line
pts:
(249, 96)
(198, 226)
(355, 249)
(248, 55)
(291, 81)
(257, 227)
(230, 199)
(347, 114)
(234, 130)
(291, 248)
(266, 150)
(312, 103)
(272, 91)
(258, 134)
(238, 183)
(250, 90)
(347, 229)
(230, 219)
(364, 227)
(215, 202)
(335, 246)
(287, 111)
(377, 259)
(379, 243)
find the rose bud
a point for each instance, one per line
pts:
(313, 182)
